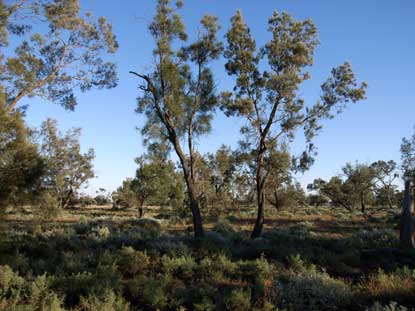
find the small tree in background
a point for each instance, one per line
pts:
(339, 192)
(385, 176)
(361, 178)
(58, 51)
(222, 168)
(67, 168)
(266, 92)
(179, 94)
(156, 182)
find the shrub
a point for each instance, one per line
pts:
(106, 302)
(11, 287)
(101, 232)
(150, 226)
(238, 300)
(18, 294)
(392, 306)
(397, 286)
(181, 267)
(132, 262)
(311, 291)
(149, 290)
(376, 238)
(223, 227)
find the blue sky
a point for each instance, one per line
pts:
(376, 36)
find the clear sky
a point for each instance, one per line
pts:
(376, 36)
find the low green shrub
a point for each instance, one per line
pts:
(108, 301)
(397, 286)
(238, 300)
(311, 291)
(375, 238)
(132, 262)
(150, 226)
(392, 306)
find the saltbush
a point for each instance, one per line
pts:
(375, 238)
(311, 291)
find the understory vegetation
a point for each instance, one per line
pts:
(98, 258)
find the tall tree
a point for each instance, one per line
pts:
(179, 94)
(57, 50)
(21, 166)
(67, 168)
(408, 168)
(266, 91)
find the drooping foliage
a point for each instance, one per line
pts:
(56, 50)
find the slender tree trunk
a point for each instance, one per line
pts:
(141, 209)
(259, 223)
(390, 202)
(407, 222)
(193, 198)
(362, 204)
(194, 206)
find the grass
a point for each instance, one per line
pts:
(97, 258)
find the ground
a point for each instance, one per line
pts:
(97, 258)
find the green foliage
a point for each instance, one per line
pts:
(312, 291)
(238, 300)
(397, 286)
(17, 294)
(392, 306)
(67, 169)
(376, 238)
(266, 93)
(150, 226)
(57, 50)
(108, 301)
(21, 166)
(179, 93)
(224, 227)
(132, 262)
(408, 156)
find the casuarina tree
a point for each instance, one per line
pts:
(266, 92)
(178, 96)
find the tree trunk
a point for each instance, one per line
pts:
(407, 222)
(197, 217)
(194, 203)
(259, 223)
(362, 204)
(390, 202)
(141, 209)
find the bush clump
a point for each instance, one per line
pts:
(311, 291)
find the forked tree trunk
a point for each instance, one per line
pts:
(407, 222)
